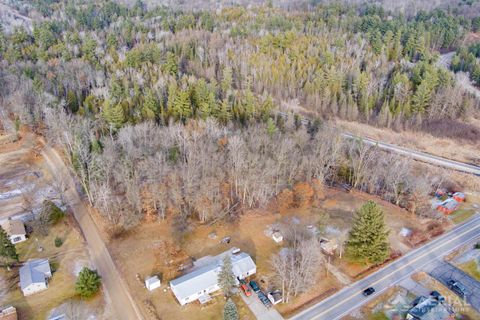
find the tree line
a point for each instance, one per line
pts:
(126, 66)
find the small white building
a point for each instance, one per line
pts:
(152, 283)
(198, 284)
(277, 237)
(15, 230)
(34, 275)
(275, 297)
(8, 313)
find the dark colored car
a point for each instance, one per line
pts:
(437, 296)
(457, 287)
(264, 299)
(368, 291)
(254, 286)
(242, 281)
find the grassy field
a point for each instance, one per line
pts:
(378, 316)
(61, 287)
(461, 215)
(471, 268)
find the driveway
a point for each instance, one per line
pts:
(259, 310)
(444, 271)
(114, 285)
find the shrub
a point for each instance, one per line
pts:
(58, 242)
(54, 265)
(477, 245)
(54, 213)
(88, 283)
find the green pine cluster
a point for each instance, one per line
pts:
(368, 238)
(88, 283)
(230, 311)
(226, 278)
(8, 253)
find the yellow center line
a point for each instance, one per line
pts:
(401, 268)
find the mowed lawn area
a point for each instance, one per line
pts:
(65, 261)
(472, 268)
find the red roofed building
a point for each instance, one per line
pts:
(8, 313)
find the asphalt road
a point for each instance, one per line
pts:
(414, 154)
(420, 156)
(116, 289)
(350, 298)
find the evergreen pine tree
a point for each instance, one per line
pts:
(226, 278)
(113, 114)
(150, 106)
(271, 127)
(181, 108)
(7, 249)
(223, 113)
(230, 311)
(88, 283)
(171, 65)
(368, 238)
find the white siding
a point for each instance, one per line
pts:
(34, 288)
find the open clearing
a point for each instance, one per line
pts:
(443, 147)
(61, 288)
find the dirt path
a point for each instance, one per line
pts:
(114, 285)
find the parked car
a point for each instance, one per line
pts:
(254, 286)
(246, 290)
(242, 281)
(264, 299)
(457, 287)
(368, 291)
(437, 296)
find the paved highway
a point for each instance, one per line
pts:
(350, 298)
(414, 154)
(420, 156)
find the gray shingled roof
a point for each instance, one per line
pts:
(34, 271)
(205, 277)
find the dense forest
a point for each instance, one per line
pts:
(163, 110)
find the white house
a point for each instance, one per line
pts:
(152, 283)
(15, 230)
(34, 275)
(198, 284)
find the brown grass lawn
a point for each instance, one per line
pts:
(443, 147)
(149, 249)
(472, 268)
(324, 287)
(61, 285)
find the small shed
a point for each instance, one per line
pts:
(459, 196)
(152, 283)
(275, 297)
(277, 237)
(405, 232)
(328, 246)
(8, 313)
